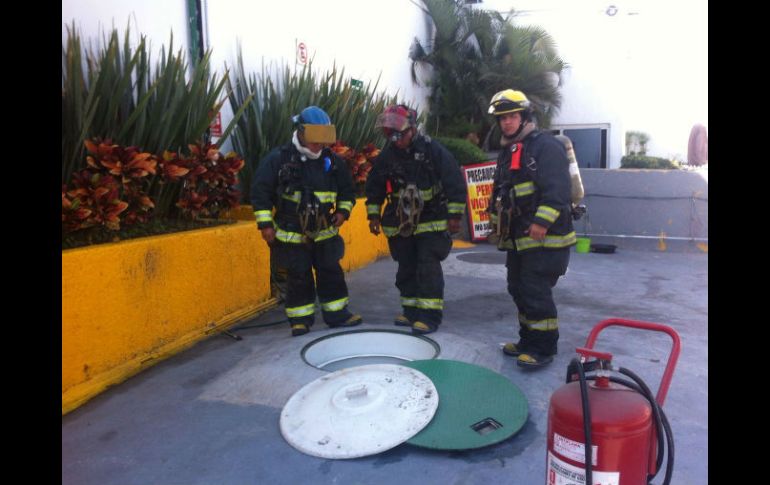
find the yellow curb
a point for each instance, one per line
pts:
(460, 244)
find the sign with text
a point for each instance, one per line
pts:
(479, 178)
(216, 125)
(302, 53)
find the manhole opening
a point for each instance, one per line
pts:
(486, 426)
(363, 347)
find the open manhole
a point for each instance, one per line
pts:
(363, 347)
(482, 257)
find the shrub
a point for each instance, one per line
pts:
(643, 161)
(464, 151)
(116, 188)
(113, 92)
(279, 93)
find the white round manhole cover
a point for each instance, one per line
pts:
(359, 411)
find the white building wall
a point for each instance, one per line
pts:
(643, 69)
(156, 19)
(366, 38)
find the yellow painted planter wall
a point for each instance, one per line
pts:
(128, 305)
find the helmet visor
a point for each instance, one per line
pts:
(320, 133)
(393, 121)
(504, 106)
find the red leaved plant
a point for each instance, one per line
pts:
(359, 163)
(121, 185)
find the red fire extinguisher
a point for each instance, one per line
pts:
(604, 429)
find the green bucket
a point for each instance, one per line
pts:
(583, 245)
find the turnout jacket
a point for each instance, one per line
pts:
(434, 171)
(288, 181)
(533, 182)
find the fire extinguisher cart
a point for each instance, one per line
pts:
(614, 424)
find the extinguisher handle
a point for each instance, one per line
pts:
(657, 327)
(593, 353)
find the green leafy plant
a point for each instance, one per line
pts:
(643, 161)
(280, 93)
(474, 53)
(113, 92)
(464, 151)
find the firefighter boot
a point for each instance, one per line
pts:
(534, 360)
(421, 328)
(514, 349)
(351, 321)
(402, 321)
(298, 329)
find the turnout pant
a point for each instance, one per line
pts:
(531, 276)
(329, 284)
(419, 278)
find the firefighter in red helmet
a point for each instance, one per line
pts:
(425, 194)
(530, 214)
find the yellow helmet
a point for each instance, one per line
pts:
(508, 101)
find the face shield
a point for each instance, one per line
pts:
(394, 122)
(326, 134)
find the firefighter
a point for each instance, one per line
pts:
(312, 192)
(425, 194)
(530, 214)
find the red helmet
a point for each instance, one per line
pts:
(396, 118)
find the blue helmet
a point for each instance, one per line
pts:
(313, 115)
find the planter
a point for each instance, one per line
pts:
(128, 305)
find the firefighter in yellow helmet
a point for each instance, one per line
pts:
(530, 212)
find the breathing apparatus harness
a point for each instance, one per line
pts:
(402, 184)
(505, 205)
(291, 179)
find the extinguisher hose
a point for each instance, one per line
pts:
(668, 436)
(661, 423)
(586, 419)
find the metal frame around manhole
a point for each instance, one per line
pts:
(308, 346)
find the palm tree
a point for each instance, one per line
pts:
(475, 53)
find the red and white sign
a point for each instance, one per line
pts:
(562, 473)
(216, 125)
(301, 53)
(479, 179)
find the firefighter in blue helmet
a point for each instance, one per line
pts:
(312, 192)
(425, 194)
(531, 218)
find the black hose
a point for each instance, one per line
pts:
(259, 325)
(661, 423)
(653, 403)
(586, 419)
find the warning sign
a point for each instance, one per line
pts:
(573, 450)
(302, 53)
(562, 473)
(479, 178)
(216, 125)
